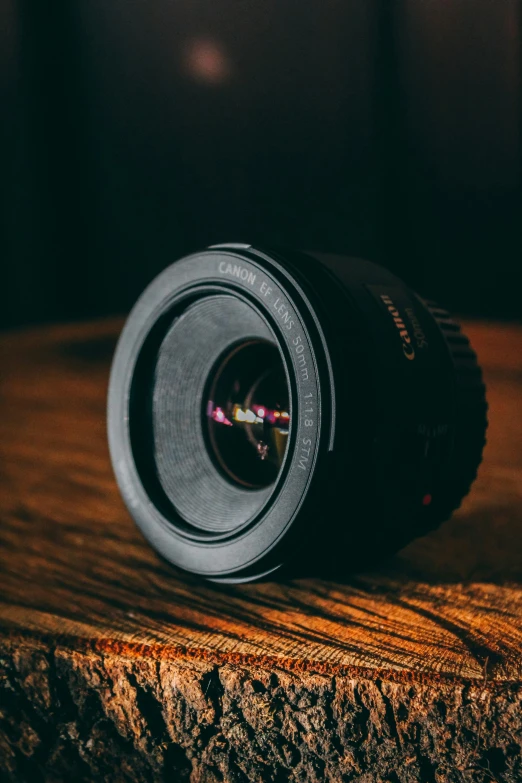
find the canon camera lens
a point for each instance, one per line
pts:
(276, 411)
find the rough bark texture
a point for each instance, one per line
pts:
(70, 715)
(115, 667)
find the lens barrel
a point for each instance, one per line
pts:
(294, 413)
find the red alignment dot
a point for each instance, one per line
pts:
(426, 500)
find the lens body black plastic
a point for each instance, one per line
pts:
(355, 421)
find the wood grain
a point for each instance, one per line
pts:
(116, 666)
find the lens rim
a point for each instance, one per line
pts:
(263, 282)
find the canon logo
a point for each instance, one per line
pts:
(407, 347)
(237, 271)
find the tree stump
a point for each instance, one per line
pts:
(114, 666)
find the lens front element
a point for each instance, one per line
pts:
(248, 414)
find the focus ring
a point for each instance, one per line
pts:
(470, 413)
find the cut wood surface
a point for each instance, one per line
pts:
(115, 666)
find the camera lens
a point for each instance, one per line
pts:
(280, 412)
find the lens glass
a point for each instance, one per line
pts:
(247, 414)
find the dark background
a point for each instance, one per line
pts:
(136, 131)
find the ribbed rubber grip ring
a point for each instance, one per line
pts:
(470, 412)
